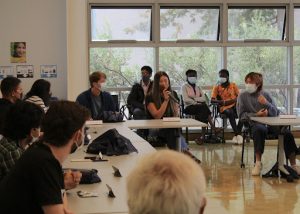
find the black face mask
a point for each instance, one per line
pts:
(74, 148)
(145, 78)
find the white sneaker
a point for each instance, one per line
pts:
(239, 139)
(235, 140)
(257, 169)
(296, 168)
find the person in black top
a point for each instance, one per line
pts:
(136, 97)
(36, 183)
(12, 91)
(95, 99)
(163, 102)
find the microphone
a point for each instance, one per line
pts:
(173, 98)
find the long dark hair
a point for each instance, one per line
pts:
(156, 92)
(40, 88)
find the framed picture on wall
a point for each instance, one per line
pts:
(18, 52)
(48, 71)
(25, 71)
(6, 71)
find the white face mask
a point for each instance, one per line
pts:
(103, 86)
(250, 88)
(192, 80)
(222, 80)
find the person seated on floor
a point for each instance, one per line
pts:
(225, 95)
(36, 184)
(21, 129)
(39, 94)
(195, 103)
(166, 182)
(136, 97)
(95, 99)
(11, 90)
(161, 102)
(255, 102)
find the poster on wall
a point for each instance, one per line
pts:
(18, 52)
(24, 71)
(6, 71)
(48, 71)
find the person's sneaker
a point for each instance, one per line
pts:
(239, 139)
(256, 169)
(235, 140)
(296, 168)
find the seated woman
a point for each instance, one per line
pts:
(163, 102)
(225, 95)
(194, 102)
(255, 102)
(39, 94)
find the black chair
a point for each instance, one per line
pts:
(116, 101)
(246, 133)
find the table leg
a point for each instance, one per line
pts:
(178, 144)
(281, 155)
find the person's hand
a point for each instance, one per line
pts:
(72, 179)
(262, 113)
(262, 100)
(198, 99)
(166, 95)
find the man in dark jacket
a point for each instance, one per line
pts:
(136, 98)
(12, 91)
(95, 99)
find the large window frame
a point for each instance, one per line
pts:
(289, 43)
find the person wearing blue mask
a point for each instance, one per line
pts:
(225, 95)
(195, 102)
(255, 102)
(95, 99)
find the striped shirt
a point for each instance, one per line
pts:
(38, 101)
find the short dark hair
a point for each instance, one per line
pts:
(96, 76)
(40, 88)
(224, 71)
(257, 78)
(20, 119)
(190, 71)
(147, 68)
(62, 120)
(8, 85)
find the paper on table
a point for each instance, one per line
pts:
(171, 119)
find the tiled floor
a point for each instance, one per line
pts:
(231, 189)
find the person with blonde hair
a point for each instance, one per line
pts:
(166, 182)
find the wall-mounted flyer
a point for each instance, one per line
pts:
(6, 71)
(48, 71)
(25, 71)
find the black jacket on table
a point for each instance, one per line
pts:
(85, 99)
(136, 96)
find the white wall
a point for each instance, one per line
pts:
(42, 24)
(77, 47)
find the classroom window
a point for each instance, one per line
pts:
(270, 61)
(121, 65)
(177, 60)
(120, 23)
(178, 23)
(297, 23)
(256, 23)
